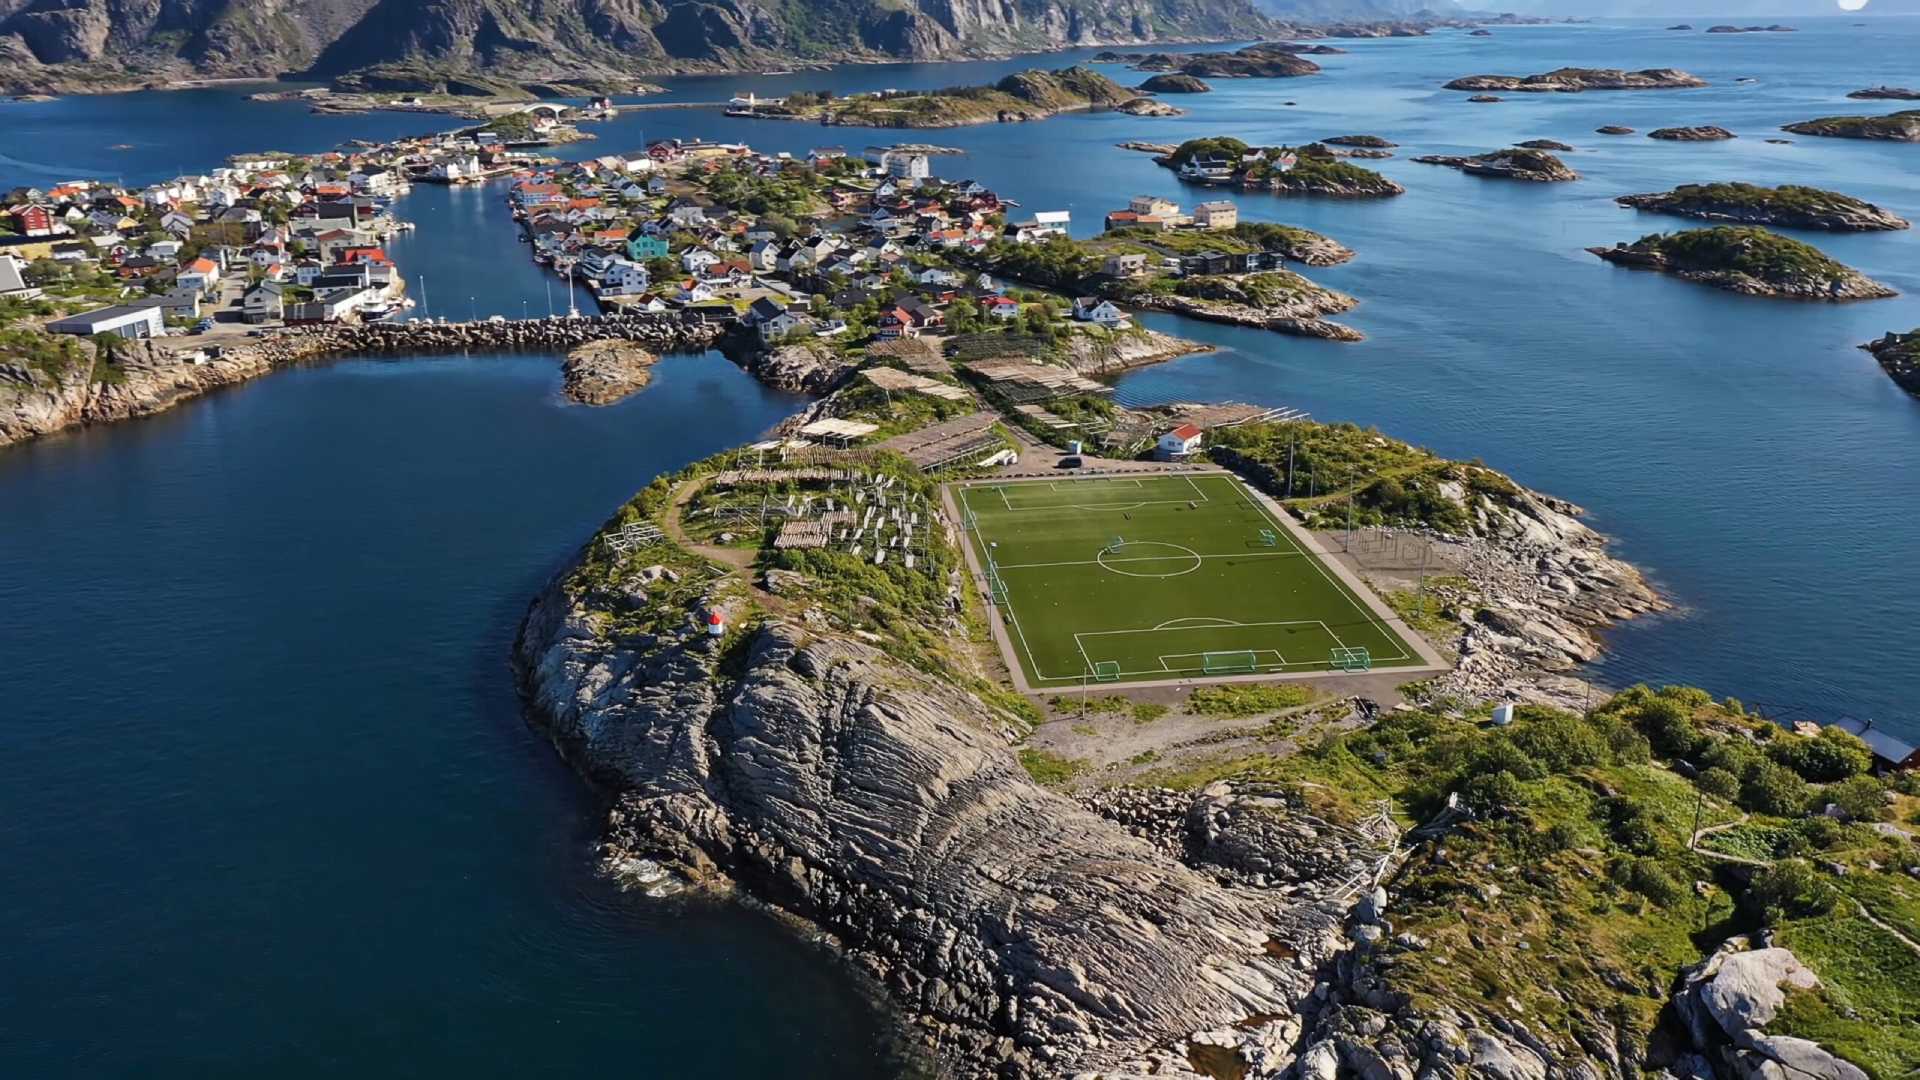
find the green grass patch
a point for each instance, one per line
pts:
(1242, 700)
(1050, 769)
(1867, 1008)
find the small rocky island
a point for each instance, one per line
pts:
(1886, 93)
(1515, 164)
(1895, 127)
(1574, 80)
(1266, 60)
(1174, 83)
(1788, 205)
(1545, 144)
(1899, 356)
(606, 371)
(1226, 161)
(1776, 28)
(1749, 260)
(1613, 129)
(1367, 142)
(1024, 95)
(1700, 133)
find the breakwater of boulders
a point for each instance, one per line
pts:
(664, 331)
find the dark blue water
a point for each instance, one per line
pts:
(271, 806)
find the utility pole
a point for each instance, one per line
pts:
(1349, 547)
(1290, 445)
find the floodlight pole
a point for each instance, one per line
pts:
(1349, 509)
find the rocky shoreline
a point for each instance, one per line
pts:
(1894, 127)
(154, 376)
(1899, 357)
(1301, 314)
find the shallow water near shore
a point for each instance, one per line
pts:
(272, 806)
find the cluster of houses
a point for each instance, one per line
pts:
(1154, 212)
(293, 240)
(644, 233)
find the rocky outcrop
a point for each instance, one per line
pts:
(1886, 93)
(1145, 106)
(1701, 133)
(1486, 99)
(1725, 1004)
(1114, 353)
(1724, 28)
(1895, 127)
(1613, 129)
(1545, 144)
(1268, 60)
(1899, 357)
(799, 369)
(1174, 83)
(1747, 259)
(1791, 206)
(1274, 300)
(1037, 938)
(1533, 165)
(1574, 80)
(603, 372)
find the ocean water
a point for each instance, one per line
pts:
(271, 803)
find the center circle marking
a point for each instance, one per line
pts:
(1131, 551)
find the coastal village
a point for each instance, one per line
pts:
(949, 336)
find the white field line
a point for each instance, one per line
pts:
(1153, 558)
(1203, 658)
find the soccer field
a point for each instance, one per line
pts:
(1137, 579)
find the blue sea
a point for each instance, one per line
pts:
(272, 808)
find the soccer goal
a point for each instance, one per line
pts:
(1228, 663)
(969, 520)
(1269, 538)
(1350, 658)
(1106, 671)
(1116, 543)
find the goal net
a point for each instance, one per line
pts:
(1347, 658)
(1106, 671)
(1225, 663)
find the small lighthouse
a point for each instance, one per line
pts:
(716, 624)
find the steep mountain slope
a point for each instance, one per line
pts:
(50, 43)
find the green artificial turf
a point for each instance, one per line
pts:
(1152, 573)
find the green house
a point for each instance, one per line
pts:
(642, 248)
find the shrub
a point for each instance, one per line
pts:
(1774, 789)
(1719, 782)
(1493, 795)
(1651, 879)
(1789, 889)
(1669, 727)
(1862, 798)
(1558, 741)
(1831, 755)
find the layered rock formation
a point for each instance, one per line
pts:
(1792, 206)
(1174, 83)
(1886, 93)
(1517, 164)
(102, 44)
(1574, 80)
(882, 804)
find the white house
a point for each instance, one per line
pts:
(1099, 312)
(265, 302)
(698, 259)
(624, 278)
(143, 320)
(1179, 443)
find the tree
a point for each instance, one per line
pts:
(1791, 888)
(1493, 795)
(963, 315)
(1862, 798)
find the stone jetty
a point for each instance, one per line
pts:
(152, 376)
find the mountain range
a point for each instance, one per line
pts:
(78, 44)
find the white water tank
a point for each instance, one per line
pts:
(1503, 714)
